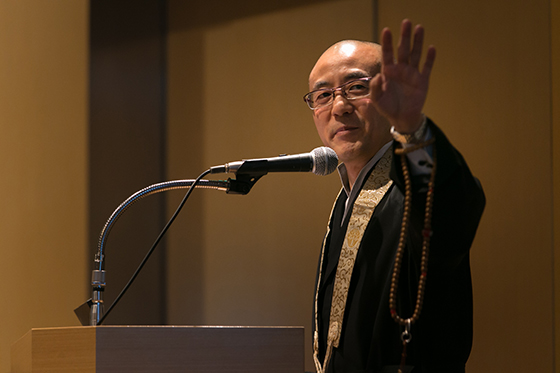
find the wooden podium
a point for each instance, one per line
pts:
(190, 349)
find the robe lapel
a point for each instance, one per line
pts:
(371, 194)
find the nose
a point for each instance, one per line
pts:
(341, 105)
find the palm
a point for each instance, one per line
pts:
(401, 88)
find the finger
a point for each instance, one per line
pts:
(430, 59)
(416, 53)
(404, 42)
(388, 57)
(376, 87)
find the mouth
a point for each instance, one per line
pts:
(344, 130)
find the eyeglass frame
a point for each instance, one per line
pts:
(333, 90)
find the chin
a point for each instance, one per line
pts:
(346, 156)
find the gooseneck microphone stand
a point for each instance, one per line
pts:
(98, 274)
(241, 185)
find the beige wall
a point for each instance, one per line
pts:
(43, 108)
(491, 94)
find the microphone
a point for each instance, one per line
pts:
(321, 161)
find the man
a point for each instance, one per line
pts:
(393, 286)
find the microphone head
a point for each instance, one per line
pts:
(325, 160)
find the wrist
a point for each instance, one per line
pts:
(413, 137)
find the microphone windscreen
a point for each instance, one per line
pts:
(325, 160)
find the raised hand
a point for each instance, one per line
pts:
(400, 89)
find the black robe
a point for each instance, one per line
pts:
(442, 337)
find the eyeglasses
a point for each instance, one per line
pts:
(351, 90)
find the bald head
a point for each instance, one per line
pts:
(343, 44)
(361, 54)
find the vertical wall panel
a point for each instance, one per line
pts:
(127, 150)
(185, 133)
(43, 163)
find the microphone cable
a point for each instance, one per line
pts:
(154, 245)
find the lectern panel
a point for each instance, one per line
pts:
(187, 349)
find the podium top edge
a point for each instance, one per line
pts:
(169, 327)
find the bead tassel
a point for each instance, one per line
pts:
(426, 234)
